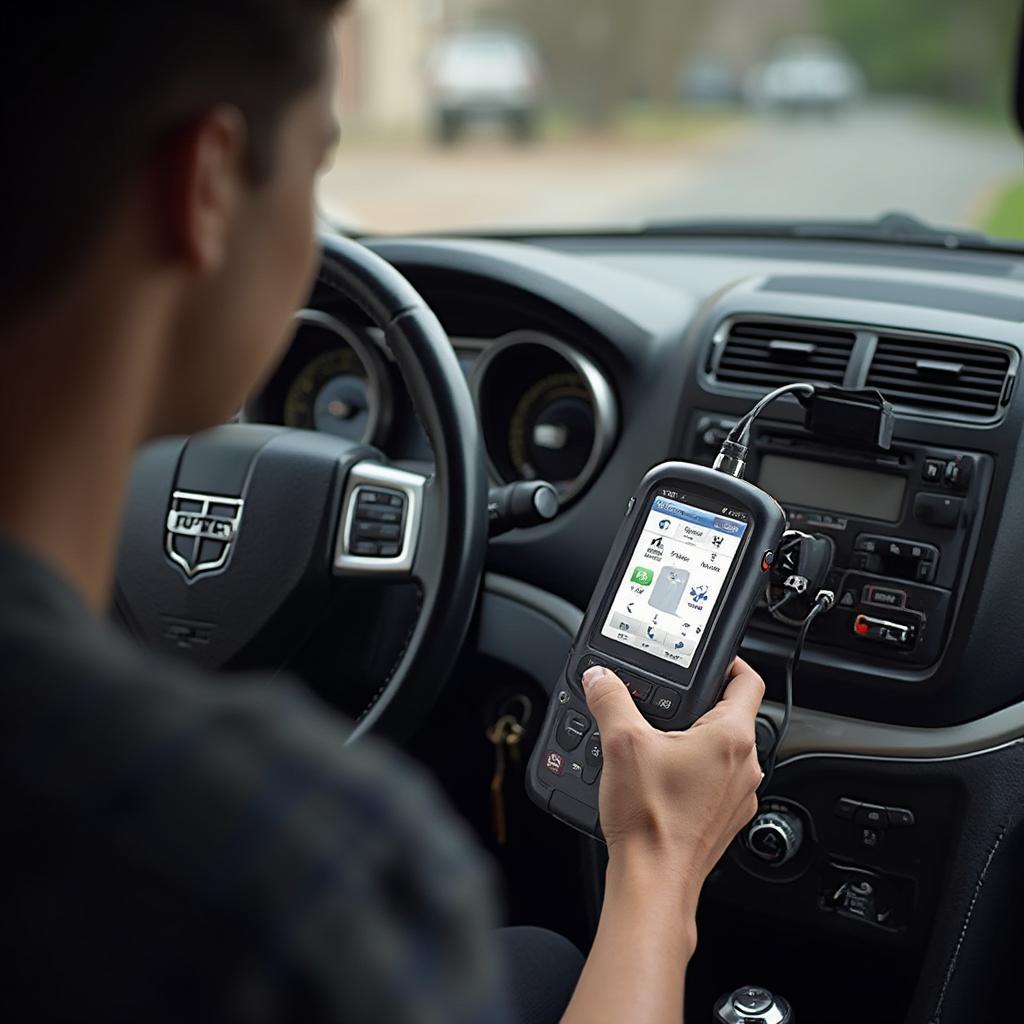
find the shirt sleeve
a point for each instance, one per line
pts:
(303, 879)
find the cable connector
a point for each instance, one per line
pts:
(826, 598)
(732, 459)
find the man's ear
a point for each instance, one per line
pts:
(205, 183)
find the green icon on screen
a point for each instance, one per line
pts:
(642, 576)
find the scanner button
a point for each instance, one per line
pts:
(593, 759)
(664, 704)
(639, 689)
(571, 729)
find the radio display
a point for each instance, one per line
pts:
(843, 489)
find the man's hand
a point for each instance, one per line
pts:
(677, 796)
(670, 804)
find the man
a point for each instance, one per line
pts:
(176, 849)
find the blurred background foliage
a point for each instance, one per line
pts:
(600, 53)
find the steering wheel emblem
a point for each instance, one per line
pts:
(201, 529)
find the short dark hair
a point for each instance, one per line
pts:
(90, 88)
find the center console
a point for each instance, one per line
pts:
(901, 522)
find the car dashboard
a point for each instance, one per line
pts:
(593, 358)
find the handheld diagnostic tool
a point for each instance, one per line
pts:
(673, 600)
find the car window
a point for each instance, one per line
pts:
(528, 114)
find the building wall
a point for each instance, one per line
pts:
(384, 46)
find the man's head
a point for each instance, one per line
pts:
(174, 143)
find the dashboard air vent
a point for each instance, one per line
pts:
(939, 375)
(766, 354)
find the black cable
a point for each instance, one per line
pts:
(822, 602)
(739, 433)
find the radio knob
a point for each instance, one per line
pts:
(775, 837)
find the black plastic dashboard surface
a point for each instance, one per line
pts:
(644, 312)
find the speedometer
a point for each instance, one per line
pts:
(546, 411)
(551, 433)
(331, 394)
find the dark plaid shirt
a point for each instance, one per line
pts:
(185, 848)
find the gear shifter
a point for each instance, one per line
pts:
(752, 1005)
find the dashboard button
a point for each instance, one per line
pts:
(933, 470)
(871, 816)
(664, 703)
(938, 510)
(900, 817)
(958, 473)
(885, 596)
(846, 807)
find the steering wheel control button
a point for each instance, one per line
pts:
(380, 521)
(379, 514)
(664, 703)
(593, 758)
(571, 729)
(900, 817)
(377, 531)
(554, 762)
(377, 521)
(846, 807)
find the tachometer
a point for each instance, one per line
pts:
(333, 378)
(546, 411)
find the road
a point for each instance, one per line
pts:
(858, 164)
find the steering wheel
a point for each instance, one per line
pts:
(236, 539)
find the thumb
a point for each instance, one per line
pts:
(609, 700)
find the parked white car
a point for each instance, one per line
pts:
(485, 77)
(807, 74)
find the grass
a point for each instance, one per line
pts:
(1005, 217)
(645, 123)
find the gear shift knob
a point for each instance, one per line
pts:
(752, 1005)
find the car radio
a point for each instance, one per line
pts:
(900, 521)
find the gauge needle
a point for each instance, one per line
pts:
(340, 410)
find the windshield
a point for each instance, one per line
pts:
(463, 115)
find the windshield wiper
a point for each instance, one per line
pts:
(898, 228)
